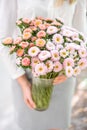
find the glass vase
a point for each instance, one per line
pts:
(41, 92)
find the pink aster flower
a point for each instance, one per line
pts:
(82, 52)
(57, 66)
(44, 55)
(51, 30)
(67, 33)
(8, 41)
(25, 61)
(33, 51)
(68, 62)
(41, 34)
(75, 35)
(70, 48)
(55, 55)
(37, 22)
(27, 30)
(75, 46)
(64, 53)
(24, 44)
(35, 61)
(17, 40)
(20, 52)
(40, 69)
(42, 26)
(77, 71)
(82, 63)
(49, 65)
(69, 71)
(50, 45)
(26, 20)
(59, 47)
(26, 35)
(40, 42)
(58, 39)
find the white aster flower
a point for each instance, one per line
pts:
(58, 39)
(44, 55)
(50, 46)
(51, 30)
(33, 51)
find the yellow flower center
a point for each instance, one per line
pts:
(33, 51)
(40, 69)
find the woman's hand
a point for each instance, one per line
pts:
(26, 89)
(59, 79)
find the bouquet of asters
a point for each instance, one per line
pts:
(49, 49)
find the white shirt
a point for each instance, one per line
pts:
(73, 15)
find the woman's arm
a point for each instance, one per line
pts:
(79, 19)
(8, 16)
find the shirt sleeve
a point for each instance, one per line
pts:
(79, 19)
(8, 15)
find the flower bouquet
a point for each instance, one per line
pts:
(49, 49)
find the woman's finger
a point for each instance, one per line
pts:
(31, 101)
(28, 104)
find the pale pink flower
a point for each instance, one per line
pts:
(26, 35)
(77, 71)
(41, 34)
(67, 33)
(55, 23)
(42, 26)
(69, 28)
(17, 40)
(37, 22)
(40, 42)
(55, 55)
(59, 47)
(27, 30)
(49, 65)
(47, 25)
(33, 28)
(82, 63)
(68, 62)
(64, 53)
(58, 39)
(33, 51)
(8, 41)
(75, 46)
(41, 69)
(26, 61)
(51, 30)
(50, 45)
(69, 71)
(26, 20)
(44, 55)
(57, 66)
(35, 61)
(82, 52)
(70, 48)
(24, 44)
(75, 35)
